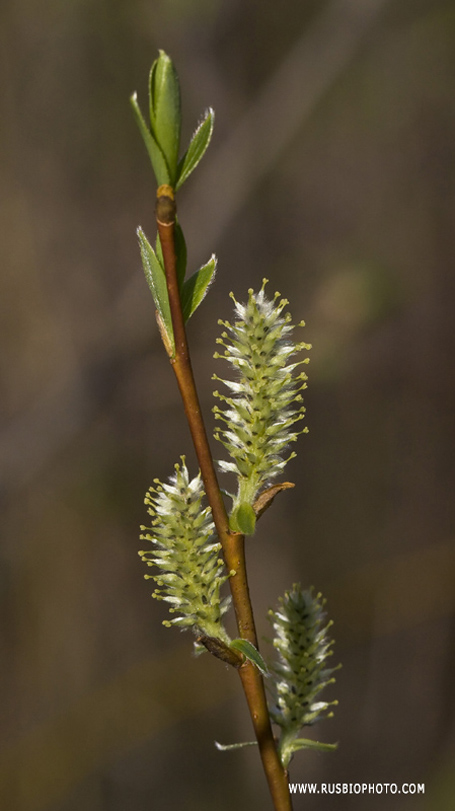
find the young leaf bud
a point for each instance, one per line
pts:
(165, 110)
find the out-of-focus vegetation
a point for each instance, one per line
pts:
(332, 174)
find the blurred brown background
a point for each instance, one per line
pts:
(332, 174)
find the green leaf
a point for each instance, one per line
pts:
(233, 526)
(250, 652)
(306, 743)
(159, 251)
(156, 279)
(196, 148)
(289, 745)
(165, 110)
(152, 87)
(156, 156)
(195, 288)
(245, 518)
(226, 747)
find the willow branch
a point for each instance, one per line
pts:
(233, 544)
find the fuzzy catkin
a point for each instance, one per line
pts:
(187, 553)
(266, 403)
(302, 641)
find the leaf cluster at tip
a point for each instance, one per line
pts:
(162, 140)
(162, 135)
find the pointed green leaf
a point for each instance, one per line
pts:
(226, 747)
(196, 148)
(250, 652)
(156, 156)
(195, 288)
(152, 86)
(243, 519)
(289, 745)
(159, 250)
(165, 110)
(306, 743)
(156, 279)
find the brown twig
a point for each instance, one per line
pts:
(233, 544)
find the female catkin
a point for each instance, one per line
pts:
(186, 551)
(300, 674)
(266, 404)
